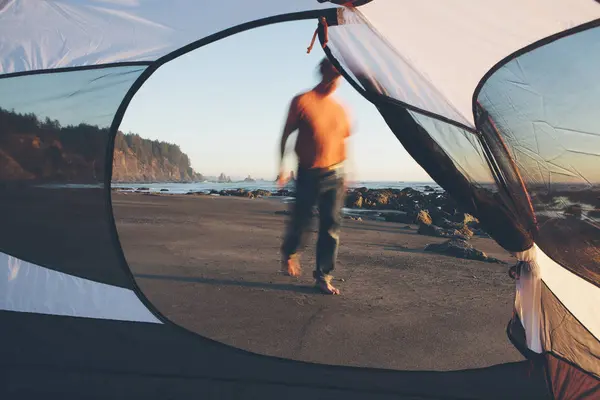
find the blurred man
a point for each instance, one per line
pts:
(323, 127)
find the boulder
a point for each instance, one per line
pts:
(401, 217)
(261, 192)
(423, 218)
(461, 249)
(354, 200)
(574, 211)
(432, 230)
(466, 232)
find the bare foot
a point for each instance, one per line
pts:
(326, 287)
(292, 267)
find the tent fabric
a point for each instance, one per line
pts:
(504, 122)
(78, 358)
(357, 45)
(420, 63)
(544, 105)
(53, 34)
(30, 288)
(440, 147)
(455, 43)
(54, 142)
(558, 310)
(570, 382)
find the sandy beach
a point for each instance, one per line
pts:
(210, 264)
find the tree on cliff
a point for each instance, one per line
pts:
(32, 148)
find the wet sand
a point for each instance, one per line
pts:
(210, 264)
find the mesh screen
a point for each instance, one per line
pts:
(542, 107)
(54, 139)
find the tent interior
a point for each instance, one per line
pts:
(501, 115)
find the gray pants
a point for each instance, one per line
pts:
(324, 188)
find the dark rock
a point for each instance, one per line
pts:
(164, 190)
(574, 210)
(283, 192)
(261, 192)
(400, 217)
(461, 249)
(354, 200)
(196, 193)
(353, 218)
(447, 224)
(432, 230)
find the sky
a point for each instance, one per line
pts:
(225, 104)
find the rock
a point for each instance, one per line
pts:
(261, 192)
(466, 232)
(461, 249)
(196, 193)
(423, 218)
(401, 217)
(164, 190)
(447, 224)
(283, 192)
(432, 230)
(352, 218)
(428, 189)
(378, 199)
(354, 200)
(574, 210)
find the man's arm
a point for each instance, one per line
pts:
(291, 124)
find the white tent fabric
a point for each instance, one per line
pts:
(455, 42)
(37, 35)
(26, 287)
(580, 297)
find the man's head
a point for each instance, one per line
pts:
(329, 75)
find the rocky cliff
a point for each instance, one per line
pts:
(36, 150)
(142, 160)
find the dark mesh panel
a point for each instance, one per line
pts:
(54, 139)
(566, 337)
(542, 107)
(481, 200)
(569, 382)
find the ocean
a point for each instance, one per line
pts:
(179, 188)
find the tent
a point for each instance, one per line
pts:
(497, 101)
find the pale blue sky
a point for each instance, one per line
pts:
(225, 105)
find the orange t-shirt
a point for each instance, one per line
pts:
(323, 127)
